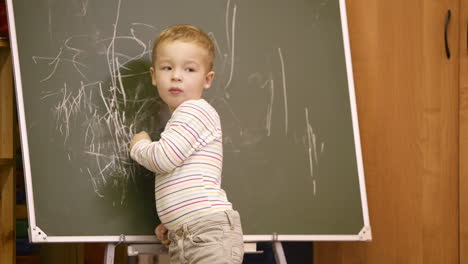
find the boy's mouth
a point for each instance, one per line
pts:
(175, 90)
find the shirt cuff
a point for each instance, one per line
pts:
(138, 146)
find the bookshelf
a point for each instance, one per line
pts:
(7, 162)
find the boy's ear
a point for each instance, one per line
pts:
(208, 79)
(153, 76)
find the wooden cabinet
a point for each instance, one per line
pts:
(408, 105)
(463, 188)
(7, 185)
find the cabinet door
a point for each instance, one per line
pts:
(7, 182)
(463, 132)
(407, 98)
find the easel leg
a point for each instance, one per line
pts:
(278, 251)
(109, 254)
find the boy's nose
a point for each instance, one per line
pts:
(176, 76)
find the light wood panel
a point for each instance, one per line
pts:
(7, 181)
(463, 132)
(407, 96)
(7, 221)
(6, 106)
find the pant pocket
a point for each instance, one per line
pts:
(206, 236)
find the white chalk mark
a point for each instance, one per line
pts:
(97, 154)
(49, 94)
(63, 111)
(311, 165)
(84, 8)
(142, 24)
(87, 132)
(285, 95)
(99, 167)
(36, 58)
(50, 23)
(93, 181)
(117, 53)
(226, 22)
(56, 61)
(122, 89)
(90, 84)
(110, 165)
(315, 187)
(108, 128)
(270, 105)
(137, 40)
(215, 43)
(312, 147)
(135, 74)
(233, 35)
(314, 142)
(142, 107)
(77, 53)
(150, 52)
(111, 48)
(310, 134)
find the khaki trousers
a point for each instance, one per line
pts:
(214, 239)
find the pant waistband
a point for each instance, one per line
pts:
(229, 217)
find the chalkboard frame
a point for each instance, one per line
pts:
(36, 235)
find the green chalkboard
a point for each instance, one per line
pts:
(283, 89)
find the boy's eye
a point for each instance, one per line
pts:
(166, 68)
(190, 69)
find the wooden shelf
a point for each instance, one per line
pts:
(4, 43)
(21, 211)
(5, 161)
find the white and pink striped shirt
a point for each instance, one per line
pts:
(188, 161)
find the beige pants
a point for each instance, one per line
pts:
(213, 239)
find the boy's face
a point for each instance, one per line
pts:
(180, 72)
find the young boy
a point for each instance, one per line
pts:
(197, 220)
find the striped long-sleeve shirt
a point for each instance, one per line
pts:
(187, 161)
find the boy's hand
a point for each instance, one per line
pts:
(139, 136)
(161, 234)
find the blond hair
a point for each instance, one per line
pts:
(186, 33)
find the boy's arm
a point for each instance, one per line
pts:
(191, 128)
